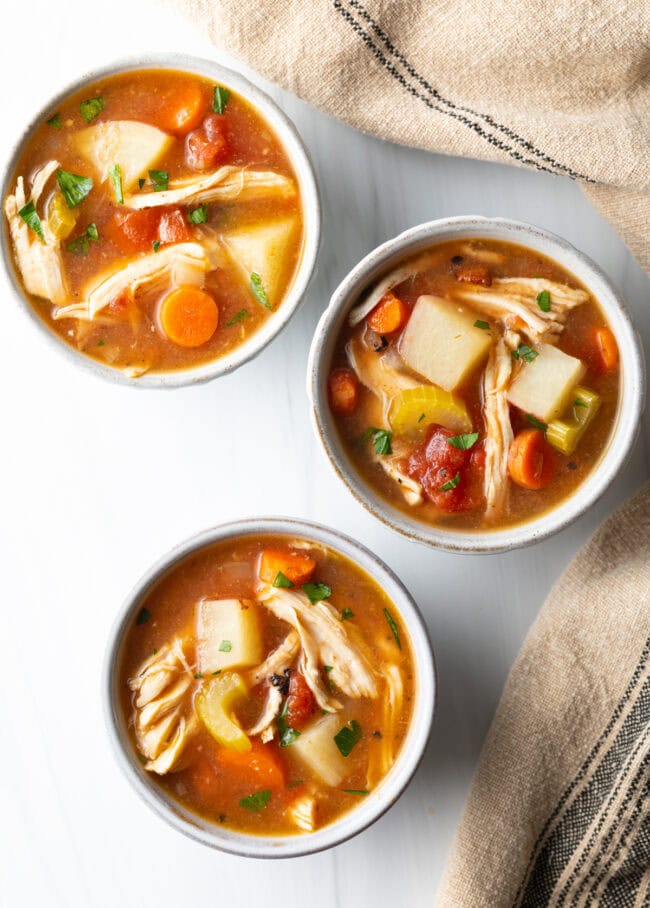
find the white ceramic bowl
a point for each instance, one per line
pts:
(387, 256)
(369, 809)
(297, 154)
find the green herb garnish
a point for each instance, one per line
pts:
(141, 182)
(362, 792)
(155, 245)
(544, 301)
(237, 317)
(534, 421)
(484, 326)
(347, 614)
(31, 218)
(448, 486)
(220, 99)
(91, 108)
(100, 342)
(74, 187)
(525, 352)
(463, 442)
(55, 122)
(282, 581)
(258, 291)
(316, 592)
(286, 734)
(295, 783)
(144, 615)
(381, 440)
(393, 626)
(579, 403)
(198, 215)
(217, 672)
(78, 246)
(115, 174)
(198, 675)
(348, 737)
(225, 646)
(421, 417)
(257, 801)
(159, 180)
(92, 233)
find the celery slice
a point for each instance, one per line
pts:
(416, 408)
(61, 219)
(215, 703)
(564, 434)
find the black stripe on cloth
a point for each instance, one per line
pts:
(608, 772)
(448, 108)
(632, 874)
(633, 846)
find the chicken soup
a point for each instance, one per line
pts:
(476, 386)
(155, 221)
(268, 684)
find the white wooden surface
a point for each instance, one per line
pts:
(86, 505)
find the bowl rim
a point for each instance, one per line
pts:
(303, 167)
(369, 809)
(631, 402)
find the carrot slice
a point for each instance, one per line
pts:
(343, 386)
(259, 766)
(389, 315)
(530, 462)
(182, 109)
(189, 316)
(203, 779)
(607, 349)
(296, 566)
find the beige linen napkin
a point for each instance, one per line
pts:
(563, 86)
(559, 810)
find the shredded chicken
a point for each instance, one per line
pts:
(303, 812)
(164, 718)
(180, 264)
(397, 276)
(392, 466)
(515, 298)
(381, 752)
(275, 664)
(324, 641)
(382, 373)
(39, 261)
(498, 429)
(264, 725)
(223, 185)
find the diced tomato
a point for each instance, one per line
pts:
(435, 462)
(207, 145)
(119, 306)
(300, 702)
(173, 227)
(474, 274)
(136, 231)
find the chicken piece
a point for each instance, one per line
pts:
(178, 265)
(382, 373)
(303, 812)
(391, 464)
(392, 279)
(515, 298)
(163, 717)
(264, 725)
(381, 751)
(498, 429)
(223, 185)
(275, 664)
(39, 261)
(488, 256)
(325, 641)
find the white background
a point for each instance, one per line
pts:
(98, 480)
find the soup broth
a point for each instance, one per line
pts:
(268, 683)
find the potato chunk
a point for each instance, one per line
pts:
(317, 749)
(136, 147)
(544, 385)
(228, 634)
(441, 342)
(261, 249)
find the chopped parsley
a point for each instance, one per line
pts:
(316, 592)
(55, 122)
(115, 174)
(92, 233)
(225, 646)
(347, 614)
(159, 180)
(286, 734)
(295, 783)
(155, 245)
(579, 403)
(544, 301)
(198, 215)
(237, 317)
(100, 342)
(421, 417)
(393, 626)
(217, 672)
(451, 484)
(256, 801)
(534, 421)
(362, 792)
(80, 245)
(74, 187)
(31, 218)
(348, 737)
(381, 440)
(525, 352)
(463, 442)
(91, 108)
(282, 581)
(141, 182)
(258, 291)
(144, 615)
(220, 99)
(484, 326)
(198, 675)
